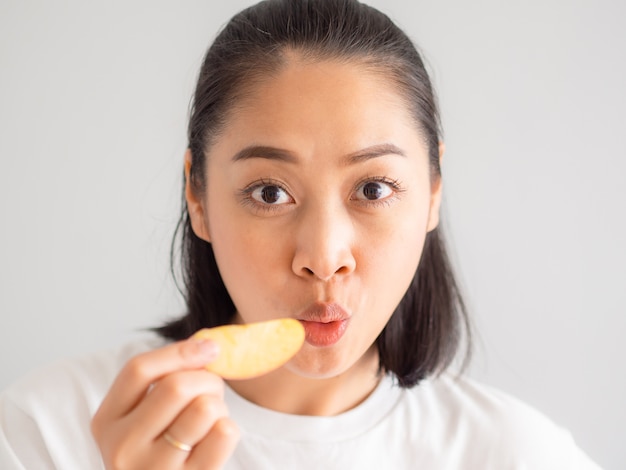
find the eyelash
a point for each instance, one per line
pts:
(394, 184)
(246, 195)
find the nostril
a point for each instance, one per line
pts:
(343, 270)
(322, 274)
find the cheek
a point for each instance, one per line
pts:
(251, 261)
(392, 253)
(400, 235)
(395, 258)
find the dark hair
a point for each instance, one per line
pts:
(426, 329)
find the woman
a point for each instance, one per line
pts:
(312, 191)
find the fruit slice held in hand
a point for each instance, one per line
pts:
(253, 349)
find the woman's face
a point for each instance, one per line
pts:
(317, 205)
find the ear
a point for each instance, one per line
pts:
(197, 213)
(435, 194)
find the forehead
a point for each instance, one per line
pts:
(321, 105)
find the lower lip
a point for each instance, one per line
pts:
(324, 334)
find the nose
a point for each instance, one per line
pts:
(324, 244)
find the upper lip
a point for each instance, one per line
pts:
(324, 312)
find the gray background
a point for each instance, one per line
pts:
(93, 103)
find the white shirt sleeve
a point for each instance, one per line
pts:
(45, 417)
(21, 444)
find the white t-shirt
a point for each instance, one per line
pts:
(443, 423)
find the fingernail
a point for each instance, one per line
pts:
(203, 349)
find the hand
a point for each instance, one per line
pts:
(166, 391)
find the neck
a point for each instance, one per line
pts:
(288, 392)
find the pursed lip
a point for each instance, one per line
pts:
(324, 312)
(324, 323)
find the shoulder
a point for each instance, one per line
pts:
(487, 425)
(88, 376)
(53, 405)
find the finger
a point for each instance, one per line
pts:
(190, 427)
(216, 447)
(177, 395)
(136, 376)
(169, 397)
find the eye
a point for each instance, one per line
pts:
(374, 190)
(270, 194)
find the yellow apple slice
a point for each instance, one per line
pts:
(253, 349)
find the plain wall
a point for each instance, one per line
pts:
(93, 109)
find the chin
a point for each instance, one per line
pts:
(327, 363)
(321, 364)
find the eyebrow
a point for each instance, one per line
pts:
(269, 153)
(373, 152)
(273, 153)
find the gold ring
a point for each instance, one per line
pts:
(176, 443)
